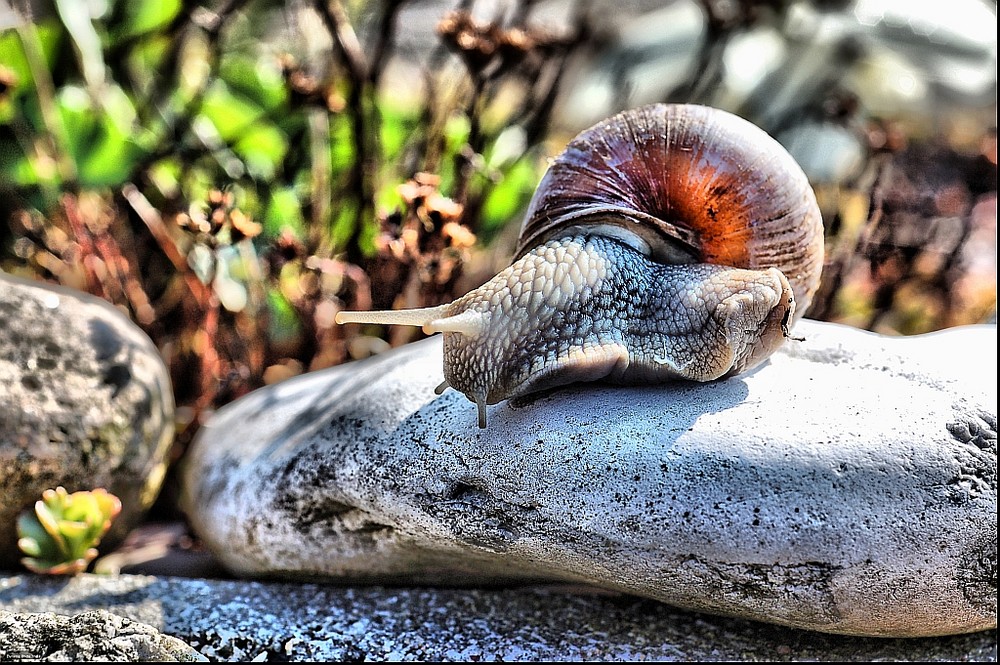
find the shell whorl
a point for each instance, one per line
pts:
(697, 184)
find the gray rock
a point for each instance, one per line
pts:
(85, 402)
(94, 636)
(242, 621)
(847, 486)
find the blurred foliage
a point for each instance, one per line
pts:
(232, 173)
(890, 108)
(61, 535)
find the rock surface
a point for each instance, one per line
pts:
(847, 486)
(85, 402)
(93, 636)
(242, 621)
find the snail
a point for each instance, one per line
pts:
(670, 241)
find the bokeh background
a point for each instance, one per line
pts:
(232, 173)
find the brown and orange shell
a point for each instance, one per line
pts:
(697, 184)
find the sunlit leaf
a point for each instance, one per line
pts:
(30, 547)
(343, 223)
(341, 143)
(78, 117)
(388, 198)
(149, 55)
(255, 80)
(74, 532)
(100, 139)
(231, 114)
(456, 132)
(262, 149)
(284, 210)
(166, 176)
(510, 196)
(144, 17)
(29, 528)
(398, 125)
(50, 35)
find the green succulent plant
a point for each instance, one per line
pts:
(61, 535)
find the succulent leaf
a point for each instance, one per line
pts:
(61, 535)
(30, 547)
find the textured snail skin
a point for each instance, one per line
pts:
(584, 308)
(667, 242)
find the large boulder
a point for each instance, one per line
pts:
(847, 486)
(85, 402)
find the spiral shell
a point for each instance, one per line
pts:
(696, 184)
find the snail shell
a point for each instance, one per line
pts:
(696, 184)
(667, 242)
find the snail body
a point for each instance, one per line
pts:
(667, 242)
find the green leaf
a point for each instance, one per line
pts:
(343, 223)
(231, 114)
(111, 163)
(77, 536)
(29, 546)
(109, 504)
(150, 56)
(284, 210)
(283, 322)
(165, 174)
(262, 148)
(456, 132)
(50, 35)
(255, 80)
(398, 125)
(388, 198)
(143, 17)
(79, 506)
(30, 528)
(510, 196)
(100, 139)
(341, 143)
(48, 517)
(50, 523)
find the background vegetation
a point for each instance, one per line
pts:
(231, 173)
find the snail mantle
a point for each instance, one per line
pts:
(847, 485)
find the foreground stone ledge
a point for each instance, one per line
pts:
(238, 620)
(92, 636)
(847, 486)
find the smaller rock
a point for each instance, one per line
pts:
(95, 636)
(85, 402)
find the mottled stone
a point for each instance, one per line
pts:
(244, 620)
(847, 486)
(93, 636)
(85, 402)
